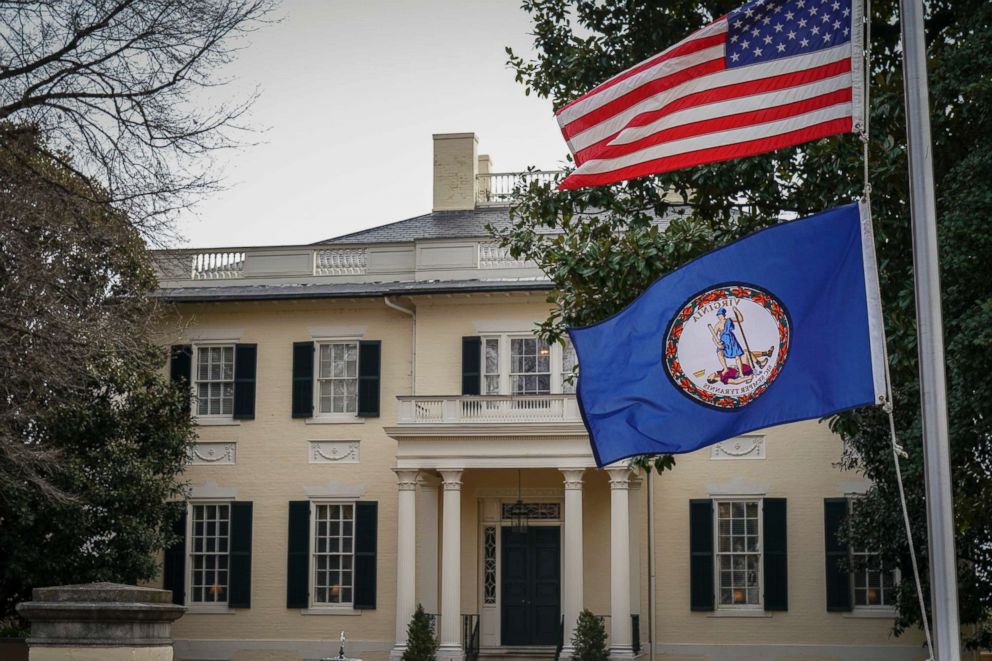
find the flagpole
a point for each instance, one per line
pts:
(933, 394)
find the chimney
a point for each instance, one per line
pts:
(456, 164)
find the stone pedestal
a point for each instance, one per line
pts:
(100, 622)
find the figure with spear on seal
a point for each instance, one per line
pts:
(728, 348)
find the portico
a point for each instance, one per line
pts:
(516, 588)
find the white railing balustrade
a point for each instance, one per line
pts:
(496, 189)
(470, 409)
(494, 256)
(340, 261)
(218, 265)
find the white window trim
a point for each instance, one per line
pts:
(319, 418)
(504, 338)
(329, 609)
(200, 606)
(739, 609)
(216, 419)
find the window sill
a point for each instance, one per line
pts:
(882, 613)
(204, 609)
(740, 612)
(216, 422)
(333, 420)
(330, 610)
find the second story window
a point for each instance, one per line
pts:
(337, 378)
(530, 366)
(214, 380)
(522, 364)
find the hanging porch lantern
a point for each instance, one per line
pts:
(518, 511)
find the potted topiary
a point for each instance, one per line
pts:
(589, 640)
(421, 645)
(13, 646)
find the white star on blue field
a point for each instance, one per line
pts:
(765, 30)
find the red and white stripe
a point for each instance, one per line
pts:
(684, 107)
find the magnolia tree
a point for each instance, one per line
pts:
(612, 246)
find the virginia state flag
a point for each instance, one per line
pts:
(783, 325)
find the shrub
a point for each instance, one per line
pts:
(421, 645)
(589, 641)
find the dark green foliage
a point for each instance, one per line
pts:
(421, 644)
(610, 250)
(92, 436)
(589, 639)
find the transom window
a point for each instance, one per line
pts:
(337, 378)
(333, 555)
(525, 365)
(738, 567)
(215, 380)
(209, 537)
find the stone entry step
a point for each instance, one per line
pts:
(529, 653)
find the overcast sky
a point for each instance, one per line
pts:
(351, 93)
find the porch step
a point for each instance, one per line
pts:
(535, 653)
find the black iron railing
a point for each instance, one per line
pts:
(635, 632)
(435, 629)
(561, 639)
(470, 636)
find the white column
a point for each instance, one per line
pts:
(427, 542)
(571, 587)
(620, 636)
(451, 568)
(406, 551)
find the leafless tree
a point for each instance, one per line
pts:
(116, 90)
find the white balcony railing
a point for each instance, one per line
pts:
(496, 189)
(340, 261)
(217, 265)
(472, 409)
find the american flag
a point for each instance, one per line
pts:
(768, 75)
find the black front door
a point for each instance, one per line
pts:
(531, 589)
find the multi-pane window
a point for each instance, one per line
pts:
(215, 380)
(530, 366)
(337, 378)
(874, 585)
(209, 537)
(738, 553)
(490, 365)
(333, 556)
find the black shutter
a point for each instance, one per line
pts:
(174, 567)
(838, 579)
(298, 565)
(303, 379)
(701, 558)
(471, 365)
(776, 559)
(369, 363)
(239, 556)
(245, 357)
(366, 537)
(181, 367)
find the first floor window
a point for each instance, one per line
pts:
(337, 378)
(738, 553)
(874, 585)
(209, 539)
(333, 553)
(215, 380)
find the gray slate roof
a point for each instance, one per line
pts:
(434, 225)
(345, 290)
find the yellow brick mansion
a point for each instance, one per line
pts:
(379, 427)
